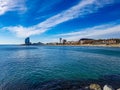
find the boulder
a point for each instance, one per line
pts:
(108, 87)
(118, 89)
(95, 87)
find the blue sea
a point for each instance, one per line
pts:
(43, 67)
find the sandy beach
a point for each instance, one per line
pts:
(100, 45)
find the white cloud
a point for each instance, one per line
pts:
(101, 31)
(11, 5)
(82, 8)
(22, 31)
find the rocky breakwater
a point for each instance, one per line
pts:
(77, 87)
(98, 87)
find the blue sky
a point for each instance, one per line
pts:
(48, 20)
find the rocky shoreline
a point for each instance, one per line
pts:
(79, 85)
(65, 86)
(101, 84)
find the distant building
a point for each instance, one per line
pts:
(86, 41)
(27, 41)
(39, 43)
(112, 41)
(60, 40)
(99, 41)
(64, 41)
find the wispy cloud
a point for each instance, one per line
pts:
(82, 8)
(94, 32)
(11, 5)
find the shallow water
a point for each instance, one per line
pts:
(27, 67)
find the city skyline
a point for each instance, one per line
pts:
(47, 21)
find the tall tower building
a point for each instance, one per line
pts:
(27, 41)
(60, 40)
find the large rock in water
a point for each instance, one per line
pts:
(95, 87)
(108, 87)
(118, 89)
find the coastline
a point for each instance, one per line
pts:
(62, 84)
(83, 45)
(90, 45)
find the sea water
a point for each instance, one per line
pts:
(24, 67)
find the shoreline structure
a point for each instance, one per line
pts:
(89, 45)
(82, 42)
(88, 42)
